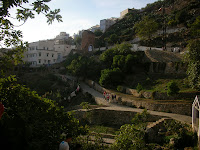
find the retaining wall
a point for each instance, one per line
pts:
(109, 117)
(178, 108)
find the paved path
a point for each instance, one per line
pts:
(100, 100)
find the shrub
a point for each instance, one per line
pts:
(172, 88)
(110, 77)
(120, 88)
(139, 87)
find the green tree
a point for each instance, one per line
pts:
(98, 32)
(118, 61)
(129, 62)
(172, 88)
(118, 49)
(112, 39)
(195, 27)
(193, 59)
(78, 40)
(110, 77)
(30, 121)
(79, 66)
(83, 66)
(132, 136)
(11, 37)
(146, 28)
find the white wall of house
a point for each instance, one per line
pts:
(106, 23)
(47, 52)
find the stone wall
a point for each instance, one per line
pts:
(109, 117)
(168, 68)
(178, 108)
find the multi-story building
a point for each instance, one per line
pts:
(48, 52)
(106, 23)
(94, 28)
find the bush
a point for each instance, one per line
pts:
(110, 77)
(172, 88)
(139, 87)
(120, 88)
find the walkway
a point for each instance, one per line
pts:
(101, 101)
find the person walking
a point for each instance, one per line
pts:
(64, 145)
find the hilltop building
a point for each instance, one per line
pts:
(106, 23)
(126, 11)
(47, 52)
(94, 28)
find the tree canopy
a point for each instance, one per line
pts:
(29, 121)
(146, 28)
(193, 58)
(11, 37)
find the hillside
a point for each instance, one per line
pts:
(175, 14)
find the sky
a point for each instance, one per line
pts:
(76, 15)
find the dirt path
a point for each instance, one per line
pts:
(100, 100)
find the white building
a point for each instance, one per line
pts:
(48, 52)
(94, 28)
(106, 23)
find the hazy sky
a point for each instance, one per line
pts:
(76, 15)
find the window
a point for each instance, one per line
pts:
(49, 61)
(45, 61)
(52, 55)
(39, 53)
(39, 61)
(47, 54)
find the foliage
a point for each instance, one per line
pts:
(85, 105)
(110, 77)
(181, 16)
(118, 61)
(78, 40)
(112, 39)
(32, 122)
(195, 27)
(193, 58)
(11, 58)
(181, 134)
(90, 142)
(146, 28)
(83, 66)
(9, 36)
(132, 136)
(98, 32)
(119, 49)
(141, 119)
(139, 87)
(120, 88)
(172, 88)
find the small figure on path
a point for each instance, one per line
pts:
(64, 145)
(104, 94)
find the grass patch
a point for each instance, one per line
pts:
(103, 129)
